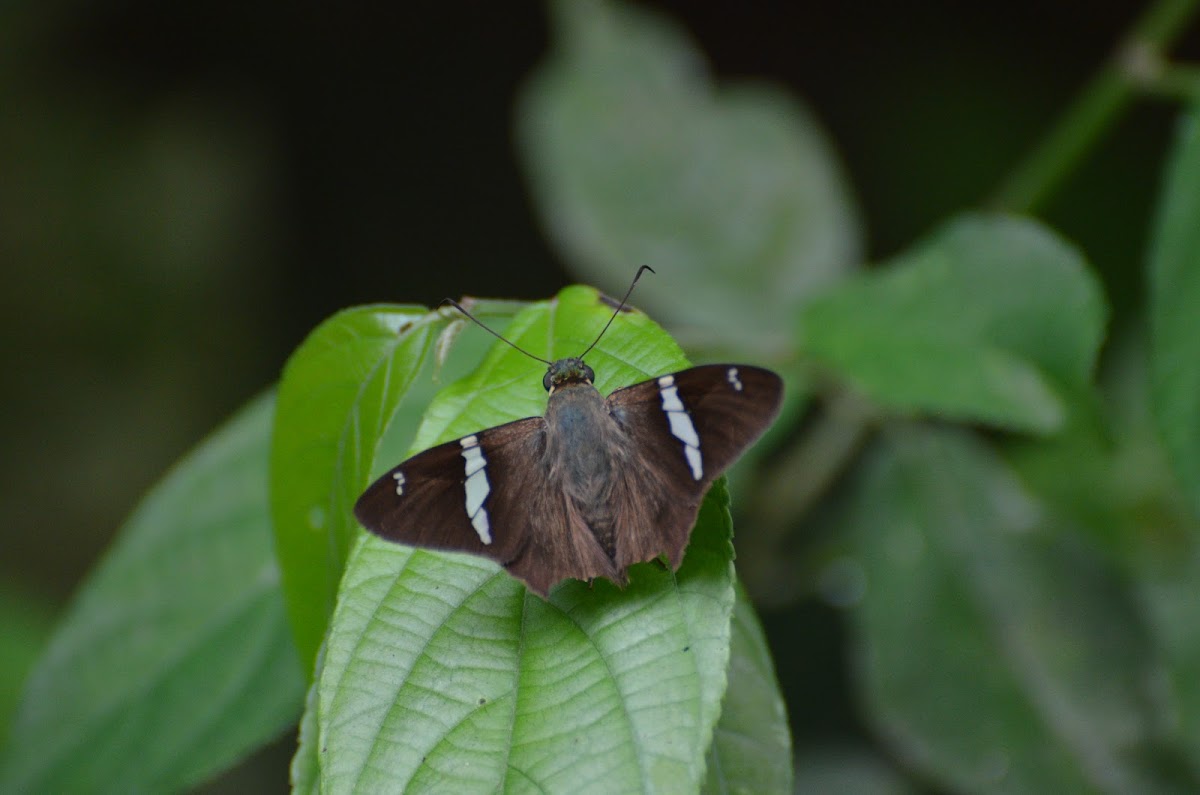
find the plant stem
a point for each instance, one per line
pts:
(786, 493)
(1136, 65)
(806, 472)
(1177, 82)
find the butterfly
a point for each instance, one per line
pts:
(594, 486)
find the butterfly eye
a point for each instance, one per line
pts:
(546, 381)
(588, 374)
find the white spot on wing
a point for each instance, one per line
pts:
(399, 476)
(670, 399)
(476, 486)
(475, 460)
(477, 491)
(732, 376)
(480, 522)
(681, 424)
(682, 428)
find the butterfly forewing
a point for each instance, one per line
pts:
(689, 427)
(443, 498)
(695, 423)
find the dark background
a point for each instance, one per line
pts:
(187, 188)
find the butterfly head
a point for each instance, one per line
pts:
(567, 371)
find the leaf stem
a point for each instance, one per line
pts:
(1176, 81)
(787, 491)
(1137, 65)
(806, 472)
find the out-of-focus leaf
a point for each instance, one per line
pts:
(995, 653)
(174, 659)
(1175, 310)
(1114, 480)
(751, 750)
(994, 319)
(1170, 597)
(441, 668)
(25, 624)
(732, 194)
(846, 770)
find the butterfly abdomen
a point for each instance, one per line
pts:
(584, 448)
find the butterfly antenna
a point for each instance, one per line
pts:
(479, 323)
(620, 306)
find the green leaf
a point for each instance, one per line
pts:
(1175, 308)
(305, 770)
(25, 625)
(1170, 597)
(848, 770)
(994, 319)
(338, 393)
(996, 653)
(440, 669)
(732, 194)
(1106, 471)
(173, 660)
(751, 750)
(1112, 478)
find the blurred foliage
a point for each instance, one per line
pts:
(174, 658)
(25, 625)
(973, 530)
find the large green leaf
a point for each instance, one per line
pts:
(1175, 310)
(751, 750)
(442, 668)
(995, 652)
(338, 393)
(174, 659)
(732, 194)
(993, 319)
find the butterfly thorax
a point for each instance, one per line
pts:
(583, 448)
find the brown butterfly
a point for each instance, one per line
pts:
(592, 487)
